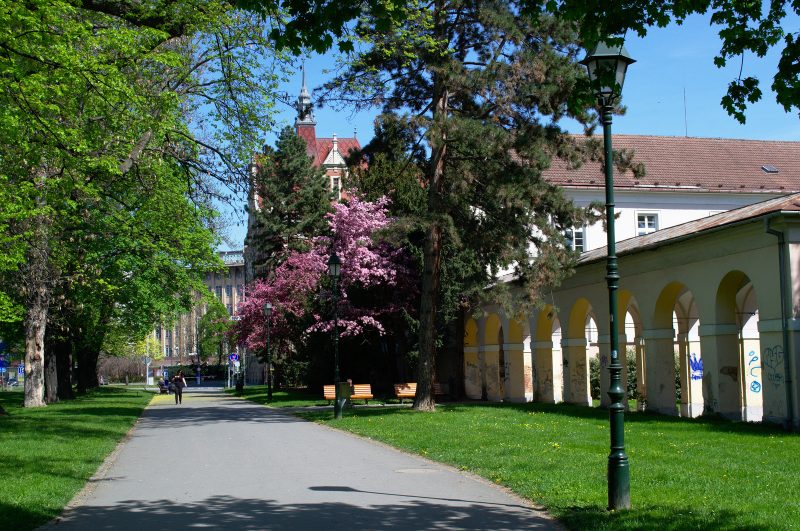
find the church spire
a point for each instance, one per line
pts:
(305, 114)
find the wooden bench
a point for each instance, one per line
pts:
(361, 392)
(329, 392)
(405, 390)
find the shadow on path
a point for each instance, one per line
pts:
(225, 512)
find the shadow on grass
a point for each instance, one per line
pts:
(653, 517)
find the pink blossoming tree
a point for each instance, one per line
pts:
(376, 284)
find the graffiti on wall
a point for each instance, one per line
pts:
(755, 371)
(696, 366)
(773, 362)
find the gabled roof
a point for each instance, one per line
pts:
(693, 165)
(787, 203)
(324, 146)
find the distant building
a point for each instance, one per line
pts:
(179, 340)
(328, 153)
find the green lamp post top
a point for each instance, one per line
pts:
(605, 64)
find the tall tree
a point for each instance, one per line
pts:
(294, 198)
(486, 84)
(97, 96)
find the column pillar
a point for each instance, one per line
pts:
(548, 379)
(773, 370)
(519, 371)
(641, 374)
(721, 368)
(576, 385)
(660, 367)
(491, 372)
(751, 374)
(472, 373)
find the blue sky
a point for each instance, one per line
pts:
(670, 61)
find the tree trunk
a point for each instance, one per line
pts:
(50, 373)
(432, 256)
(64, 364)
(35, 323)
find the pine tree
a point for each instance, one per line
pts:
(486, 83)
(294, 199)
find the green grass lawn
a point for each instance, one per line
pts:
(685, 474)
(282, 397)
(47, 454)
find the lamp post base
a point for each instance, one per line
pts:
(619, 492)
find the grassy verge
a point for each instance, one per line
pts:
(282, 397)
(48, 454)
(685, 474)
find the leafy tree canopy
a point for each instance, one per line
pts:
(744, 26)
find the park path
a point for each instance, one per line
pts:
(220, 462)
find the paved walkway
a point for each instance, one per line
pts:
(224, 463)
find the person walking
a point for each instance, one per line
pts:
(179, 382)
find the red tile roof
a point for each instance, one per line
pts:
(693, 164)
(324, 146)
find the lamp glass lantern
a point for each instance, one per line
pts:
(334, 266)
(605, 65)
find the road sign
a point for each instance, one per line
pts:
(3, 370)
(234, 357)
(21, 370)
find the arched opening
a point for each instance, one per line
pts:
(664, 349)
(575, 354)
(752, 381)
(737, 348)
(632, 351)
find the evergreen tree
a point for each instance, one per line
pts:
(294, 199)
(486, 83)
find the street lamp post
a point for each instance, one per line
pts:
(607, 66)
(334, 268)
(268, 315)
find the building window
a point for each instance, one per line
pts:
(575, 239)
(229, 290)
(239, 290)
(219, 292)
(335, 185)
(229, 308)
(646, 223)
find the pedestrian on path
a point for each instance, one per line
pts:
(179, 382)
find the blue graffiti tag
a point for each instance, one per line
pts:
(755, 385)
(696, 365)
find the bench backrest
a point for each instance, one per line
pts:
(362, 389)
(405, 388)
(329, 392)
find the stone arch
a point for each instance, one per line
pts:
(519, 366)
(734, 351)
(750, 343)
(576, 359)
(660, 348)
(546, 349)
